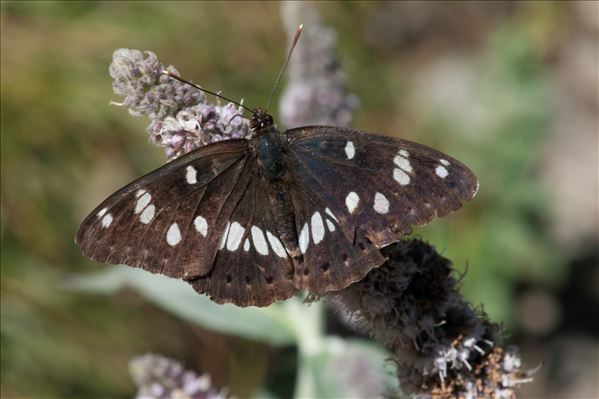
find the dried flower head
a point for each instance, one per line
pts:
(182, 120)
(442, 346)
(158, 377)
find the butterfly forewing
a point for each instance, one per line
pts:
(168, 221)
(378, 184)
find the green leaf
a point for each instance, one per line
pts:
(270, 325)
(347, 369)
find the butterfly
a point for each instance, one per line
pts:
(252, 221)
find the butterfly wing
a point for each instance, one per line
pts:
(252, 266)
(171, 220)
(202, 217)
(205, 216)
(332, 257)
(376, 186)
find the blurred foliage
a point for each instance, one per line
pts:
(64, 149)
(289, 322)
(509, 242)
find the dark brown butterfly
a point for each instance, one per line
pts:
(252, 221)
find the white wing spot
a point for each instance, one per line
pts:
(317, 227)
(201, 225)
(351, 201)
(304, 239)
(107, 220)
(350, 150)
(142, 202)
(401, 177)
(276, 245)
(404, 153)
(259, 240)
(444, 162)
(246, 245)
(402, 163)
(381, 203)
(223, 238)
(330, 225)
(191, 175)
(139, 193)
(235, 236)
(328, 211)
(148, 214)
(476, 190)
(102, 212)
(441, 171)
(173, 235)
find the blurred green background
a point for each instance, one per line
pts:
(508, 88)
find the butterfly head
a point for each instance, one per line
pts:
(260, 121)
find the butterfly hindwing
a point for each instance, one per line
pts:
(252, 266)
(331, 259)
(169, 221)
(378, 184)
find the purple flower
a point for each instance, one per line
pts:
(182, 120)
(315, 93)
(158, 377)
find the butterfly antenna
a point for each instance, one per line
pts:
(298, 32)
(180, 79)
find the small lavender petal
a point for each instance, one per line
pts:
(197, 126)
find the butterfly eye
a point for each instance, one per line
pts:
(255, 123)
(267, 120)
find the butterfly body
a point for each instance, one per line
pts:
(252, 221)
(269, 151)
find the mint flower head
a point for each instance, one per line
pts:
(315, 93)
(181, 118)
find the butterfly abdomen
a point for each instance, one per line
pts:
(282, 210)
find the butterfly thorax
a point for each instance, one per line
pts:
(269, 145)
(270, 155)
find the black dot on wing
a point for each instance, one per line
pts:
(325, 266)
(269, 279)
(247, 280)
(306, 271)
(229, 278)
(344, 257)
